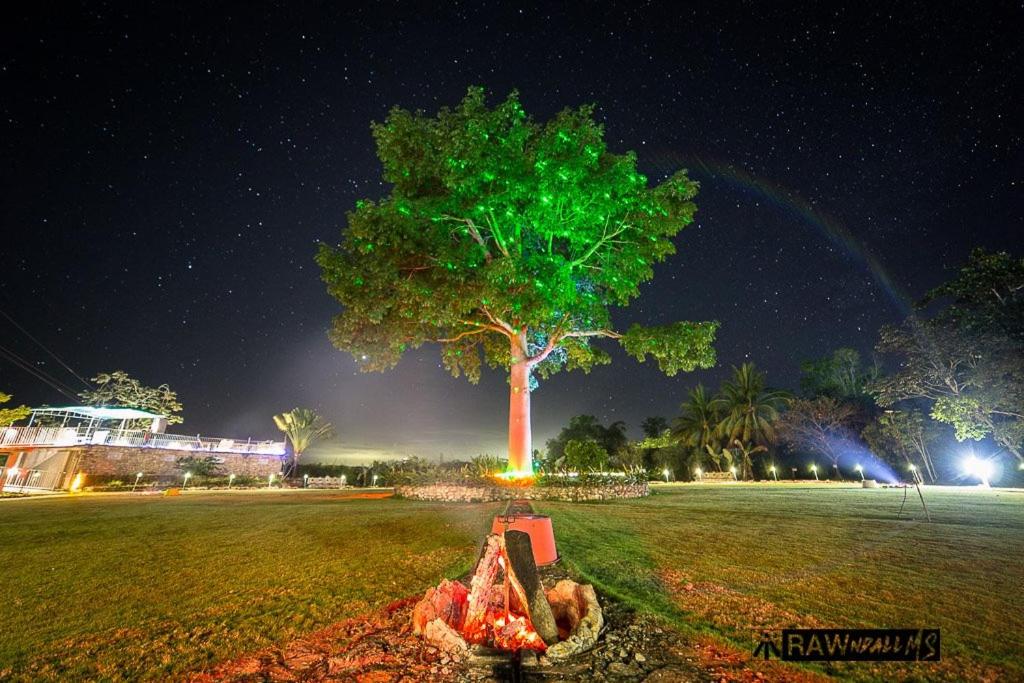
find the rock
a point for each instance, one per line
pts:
(529, 659)
(640, 658)
(624, 670)
(580, 601)
(438, 633)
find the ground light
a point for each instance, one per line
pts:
(860, 471)
(305, 481)
(138, 476)
(814, 468)
(914, 473)
(231, 480)
(698, 473)
(270, 481)
(184, 482)
(374, 480)
(733, 470)
(665, 472)
(76, 484)
(343, 480)
(978, 468)
(774, 472)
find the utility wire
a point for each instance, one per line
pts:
(41, 375)
(35, 367)
(44, 348)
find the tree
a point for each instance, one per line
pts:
(696, 428)
(746, 463)
(302, 427)
(118, 388)
(748, 408)
(506, 241)
(975, 381)
(11, 415)
(840, 376)
(987, 295)
(586, 428)
(580, 427)
(585, 455)
(654, 426)
(613, 437)
(821, 425)
(904, 434)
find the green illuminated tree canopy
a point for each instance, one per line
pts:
(506, 240)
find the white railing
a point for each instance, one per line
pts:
(80, 436)
(23, 481)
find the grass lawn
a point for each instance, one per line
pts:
(732, 560)
(119, 587)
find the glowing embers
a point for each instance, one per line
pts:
(506, 607)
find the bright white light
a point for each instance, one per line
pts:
(772, 468)
(982, 469)
(733, 470)
(697, 471)
(859, 468)
(814, 468)
(913, 467)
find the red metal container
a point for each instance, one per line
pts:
(542, 537)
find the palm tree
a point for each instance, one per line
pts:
(748, 408)
(697, 424)
(302, 427)
(746, 450)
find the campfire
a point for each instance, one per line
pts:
(506, 607)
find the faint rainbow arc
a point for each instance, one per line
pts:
(786, 199)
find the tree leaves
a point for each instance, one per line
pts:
(678, 346)
(497, 225)
(118, 388)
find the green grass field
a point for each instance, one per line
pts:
(118, 587)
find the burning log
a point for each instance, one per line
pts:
(487, 568)
(447, 602)
(506, 606)
(525, 580)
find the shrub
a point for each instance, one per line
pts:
(586, 454)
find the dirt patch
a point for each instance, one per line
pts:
(369, 649)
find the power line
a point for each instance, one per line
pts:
(41, 375)
(44, 348)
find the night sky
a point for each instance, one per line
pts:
(167, 174)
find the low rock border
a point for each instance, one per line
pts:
(464, 493)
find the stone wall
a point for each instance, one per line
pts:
(477, 494)
(113, 461)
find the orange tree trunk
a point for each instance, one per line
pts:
(520, 440)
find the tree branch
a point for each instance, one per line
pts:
(474, 233)
(505, 327)
(464, 334)
(611, 334)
